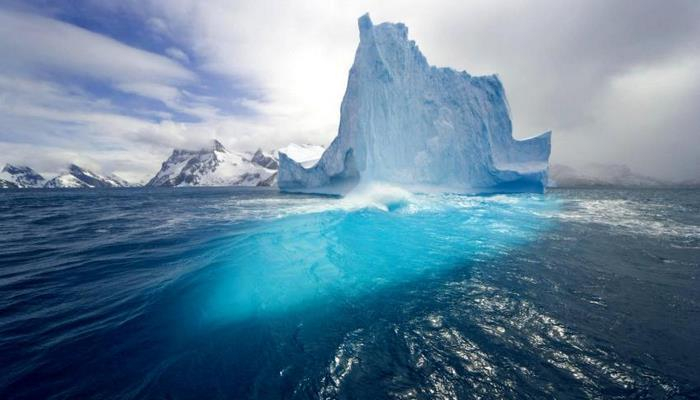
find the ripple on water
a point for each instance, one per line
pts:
(151, 293)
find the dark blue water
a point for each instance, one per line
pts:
(239, 293)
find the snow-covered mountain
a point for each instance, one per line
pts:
(596, 174)
(117, 181)
(77, 177)
(265, 160)
(217, 166)
(5, 184)
(20, 177)
(405, 122)
(65, 180)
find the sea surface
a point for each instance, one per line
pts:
(230, 293)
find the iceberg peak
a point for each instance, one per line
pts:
(364, 23)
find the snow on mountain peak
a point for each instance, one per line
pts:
(217, 146)
(78, 177)
(216, 166)
(265, 160)
(20, 177)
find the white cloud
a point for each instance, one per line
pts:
(165, 93)
(52, 123)
(177, 54)
(134, 165)
(38, 43)
(47, 125)
(157, 26)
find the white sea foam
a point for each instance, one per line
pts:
(630, 216)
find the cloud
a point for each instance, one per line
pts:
(177, 54)
(164, 93)
(39, 44)
(51, 116)
(47, 125)
(49, 161)
(661, 98)
(157, 25)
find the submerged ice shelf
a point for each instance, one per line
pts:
(316, 250)
(422, 127)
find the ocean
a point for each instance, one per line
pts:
(234, 293)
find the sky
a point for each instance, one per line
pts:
(115, 85)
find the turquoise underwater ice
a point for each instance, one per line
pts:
(373, 239)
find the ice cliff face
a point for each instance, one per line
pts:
(77, 177)
(406, 122)
(216, 167)
(15, 176)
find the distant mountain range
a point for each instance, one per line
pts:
(608, 175)
(13, 176)
(217, 166)
(21, 177)
(77, 177)
(213, 166)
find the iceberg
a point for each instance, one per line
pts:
(421, 127)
